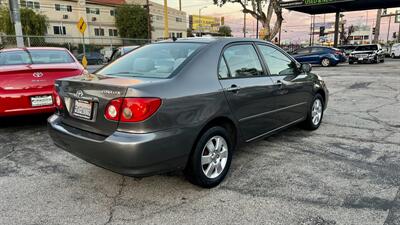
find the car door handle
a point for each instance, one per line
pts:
(282, 83)
(233, 88)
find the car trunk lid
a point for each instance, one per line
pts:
(92, 93)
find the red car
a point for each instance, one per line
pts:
(27, 78)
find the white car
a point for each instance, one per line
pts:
(395, 52)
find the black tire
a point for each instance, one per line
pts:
(194, 169)
(351, 62)
(393, 56)
(308, 124)
(382, 60)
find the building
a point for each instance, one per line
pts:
(204, 24)
(99, 15)
(361, 35)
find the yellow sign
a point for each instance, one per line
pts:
(81, 25)
(84, 61)
(207, 24)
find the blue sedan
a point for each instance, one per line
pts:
(324, 56)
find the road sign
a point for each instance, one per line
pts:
(84, 61)
(397, 20)
(81, 25)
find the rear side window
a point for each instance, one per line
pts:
(223, 71)
(34, 57)
(155, 60)
(278, 63)
(243, 61)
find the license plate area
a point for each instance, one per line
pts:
(42, 100)
(83, 109)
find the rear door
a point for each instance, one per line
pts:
(294, 89)
(248, 88)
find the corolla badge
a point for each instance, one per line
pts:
(37, 74)
(110, 92)
(79, 93)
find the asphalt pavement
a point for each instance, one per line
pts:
(346, 172)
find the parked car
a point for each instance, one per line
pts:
(120, 51)
(93, 58)
(27, 78)
(395, 51)
(324, 56)
(367, 54)
(347, 49)
(185, 105)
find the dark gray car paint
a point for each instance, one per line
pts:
(190, 100)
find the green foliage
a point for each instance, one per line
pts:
(131, 21)
(225, 31)
(32, 23)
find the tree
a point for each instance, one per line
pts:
(32, 23)
(132, 21)
(225, 31)
(345, 36)
(189, 32)
(256, 11)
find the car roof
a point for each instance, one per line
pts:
(212, 40)
(32, 48)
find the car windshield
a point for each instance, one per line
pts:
(21, 57)
(367, 48)
(155, 60)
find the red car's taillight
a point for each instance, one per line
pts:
(132, 109)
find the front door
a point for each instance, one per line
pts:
(293, 89)
(248, 89)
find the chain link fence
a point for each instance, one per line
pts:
(103, 45)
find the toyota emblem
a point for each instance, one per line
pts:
(37, 74)
(79, 94)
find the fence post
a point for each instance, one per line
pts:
(29, 41)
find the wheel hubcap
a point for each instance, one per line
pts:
(325, 62)
(214, 157)
(316, 112)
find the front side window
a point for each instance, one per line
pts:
(154, 60)
(243, 61)
(278, 63)
(303, 51)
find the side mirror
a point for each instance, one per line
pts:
(306, 67)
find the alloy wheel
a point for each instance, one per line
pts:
(316, 112)
(325, 62)
(214, 157)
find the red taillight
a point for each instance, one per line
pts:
(113, 109)
(132, 109)
(57, 100)
(338, 52)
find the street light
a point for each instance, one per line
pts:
(200, 18)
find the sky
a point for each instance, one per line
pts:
(296, 25)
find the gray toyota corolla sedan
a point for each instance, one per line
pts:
(184, 105)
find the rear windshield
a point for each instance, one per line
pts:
(21, 57)
(367, 48)
(155, 60)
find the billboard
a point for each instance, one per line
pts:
(207, 24)
(291, 3)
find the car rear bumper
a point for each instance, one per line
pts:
(364, 60)
(125, 153)
(16, 104)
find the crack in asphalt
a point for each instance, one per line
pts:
(115, 201)
(393, 217)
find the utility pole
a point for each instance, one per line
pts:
(336, 39)
(257, 29)
(166, 32)
(378, 26)
(244, 25)
(180, 5)
(16, 19)
(387, 38)
(148, 20)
